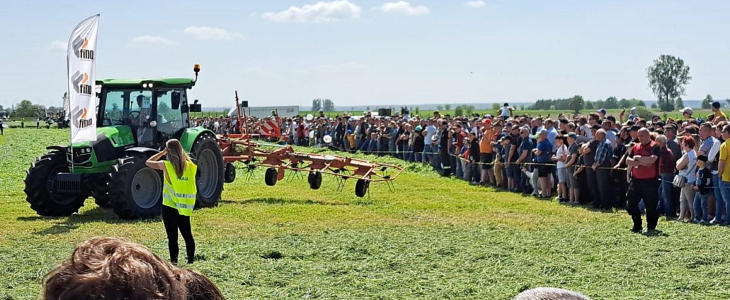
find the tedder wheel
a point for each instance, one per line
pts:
(40, 187)
(230, 175)
(270, 176)
(315, 180)
(135, 188)
(361, 187)
(210, 177)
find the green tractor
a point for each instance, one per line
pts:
(135, 118)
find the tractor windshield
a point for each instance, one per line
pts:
(126, 107)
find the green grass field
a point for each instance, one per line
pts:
(434, 238)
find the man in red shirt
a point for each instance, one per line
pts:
(644, 183)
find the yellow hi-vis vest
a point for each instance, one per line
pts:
(180, 192)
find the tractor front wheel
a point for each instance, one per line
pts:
(136, 189)
(209, 180)
(40, 187)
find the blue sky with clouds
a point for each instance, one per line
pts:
(360, 52)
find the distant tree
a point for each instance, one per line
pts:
(679, 103)
(328, 105)
(641, 103)
(316, 104)
(667, 77)
(588, 105)
(368, 108)
(459, 111)
(707, 102)
(447, 106)
(623, 103)
(598, 104)
(611, 103)
(577, 103)
(728, 102)
(495, 106)
(439, 108)
(417, 110)
(469, 109)
(653, 106)
(522, 107)
(26, 109)
(1, 107)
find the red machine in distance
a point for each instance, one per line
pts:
(279, 158)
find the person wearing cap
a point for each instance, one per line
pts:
(543, 154)
(633, 115)
(486, 153)
(418, 144)
(601, 113)
(525, 153)
(703, 188)
(686, 113)
(444, 149)
(570, 166)
(719, 115)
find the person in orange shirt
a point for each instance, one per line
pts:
(486, 153)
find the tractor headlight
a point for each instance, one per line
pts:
(144, 85)
(149, 85)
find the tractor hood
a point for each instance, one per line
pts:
(109, 146)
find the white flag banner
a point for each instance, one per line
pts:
(81, 80)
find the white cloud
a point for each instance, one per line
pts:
(402, 7)
(156, 40)
(320, 12)
(476, 4)
(58, 46)
(210, 33)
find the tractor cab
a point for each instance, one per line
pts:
(155, 110)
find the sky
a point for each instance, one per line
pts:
(363, 52)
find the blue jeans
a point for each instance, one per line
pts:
(719, 199)
(700, 205)
(418, 156)
(427, 156)
(665, 192)
(725, 190)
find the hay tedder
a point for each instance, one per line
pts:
(277, 159)
(136, 118)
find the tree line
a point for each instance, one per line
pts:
(26, 109)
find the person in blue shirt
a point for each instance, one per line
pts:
(543, 154)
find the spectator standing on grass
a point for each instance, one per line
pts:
(705, 149)
(687, 168)
(506, 111)
(667, 164)
(560, 158)
(428, 152)
(486, 154)
(444, 149)
(570, 165)
(643, 172)
(418, 144)
(724, 170)
(543, 154)
(589, 153)
(2, 128)
(602, 168)
(525, 154)
(474, 158)
(178, 197)
(513, 169)
(702, 187)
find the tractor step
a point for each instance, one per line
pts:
(68, 183)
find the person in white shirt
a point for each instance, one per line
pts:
(506, 111)
(560, 157)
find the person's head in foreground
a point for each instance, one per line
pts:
(543, 293)
(115, 269)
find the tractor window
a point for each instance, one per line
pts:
(169, 119)
(126, 107)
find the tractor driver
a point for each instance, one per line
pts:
(141, 122)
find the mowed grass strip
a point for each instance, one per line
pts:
(432, 238)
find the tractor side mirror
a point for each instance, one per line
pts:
(195, 107)
(175, 100)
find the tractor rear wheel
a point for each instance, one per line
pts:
(135, 188)
(209, 179)
(40, 187)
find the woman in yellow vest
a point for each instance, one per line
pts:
(178, 195)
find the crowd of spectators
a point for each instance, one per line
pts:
(673, 167)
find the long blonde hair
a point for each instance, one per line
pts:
(176, 156)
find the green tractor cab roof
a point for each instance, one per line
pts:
(156, 82)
